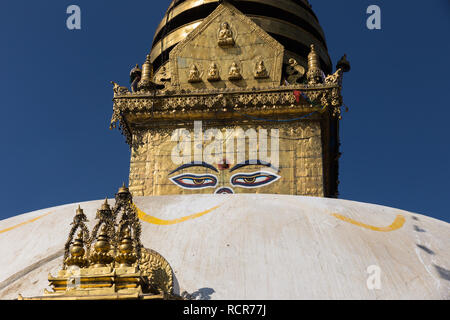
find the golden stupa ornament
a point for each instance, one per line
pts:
(77, 253)
(126, 256)
(315, 74)
(101, 257)
(79, 222)
(225, 38)
(146, 82)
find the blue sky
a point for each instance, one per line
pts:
(56, 100)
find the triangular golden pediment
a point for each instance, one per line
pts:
(227, 50)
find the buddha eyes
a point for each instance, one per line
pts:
(253, 180)
(193, 181)
(244, 180)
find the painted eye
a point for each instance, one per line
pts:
(193, 181)
(253, 180)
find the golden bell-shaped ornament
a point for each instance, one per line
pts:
(77, 252)
(126, 257)
(100, 258)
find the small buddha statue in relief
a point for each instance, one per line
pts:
(260, 70)
(213, 74)
(225, 35)
(194, 74)
(235, 72)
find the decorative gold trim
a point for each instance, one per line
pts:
(230, 104)
(154, 266)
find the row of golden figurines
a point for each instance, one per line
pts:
(234, 72)
(103, 253)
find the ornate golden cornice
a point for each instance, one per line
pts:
(184, 105)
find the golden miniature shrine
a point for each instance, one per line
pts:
(117, 266)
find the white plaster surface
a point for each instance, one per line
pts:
(254, 247)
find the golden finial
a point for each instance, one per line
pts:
(315, 74)
(147, 76)
(80, 217)
(313, 58)
(123, 189)
(105, 206)
(147, 69)
(104, 212)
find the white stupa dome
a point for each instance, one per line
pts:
(251, 246)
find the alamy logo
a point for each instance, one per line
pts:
(374, 280)
(225, 146)
(74, 281)
(374, 20)
(73, 22)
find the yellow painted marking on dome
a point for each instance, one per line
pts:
(397, 224)
(24, 223)
(150, 219)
